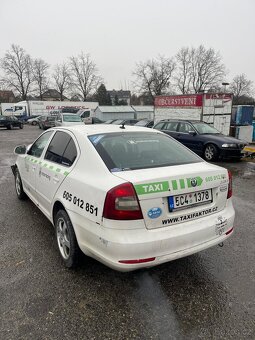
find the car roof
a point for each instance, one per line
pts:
(102, 128)
(182, 120)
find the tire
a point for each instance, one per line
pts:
(21, 126)
(66, 240)
(10, 127)
(211, 153)
(19, 187)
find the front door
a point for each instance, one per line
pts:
(56, 165)
(186, 137)
(31, 162)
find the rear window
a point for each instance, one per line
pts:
(136, 150)
(50, 118)
(71, 118)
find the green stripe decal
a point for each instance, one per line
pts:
(182, 183)
(174, 184)
(151, 188)
(47, 165)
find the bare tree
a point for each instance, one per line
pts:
(62, 79)
(184, 70)
(199, 69)
(241, 86)
(153, 76)
(84, 73)
(40, 72)
(17, 68)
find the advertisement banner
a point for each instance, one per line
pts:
(191, 100)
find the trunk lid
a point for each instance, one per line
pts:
(157, 190)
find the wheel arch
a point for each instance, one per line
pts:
(56, 207)
(208, 143)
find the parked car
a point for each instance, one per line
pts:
(130, 198)
(125, 121)
(145, 123)
(46, 122)
(109, 121)
(10, 122)
(34, 120)
(92, 120)
(68, 119)
(203, 139)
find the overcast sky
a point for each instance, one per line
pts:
(118, 33)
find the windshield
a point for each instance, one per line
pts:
(71, 118)
(203, 128)
(140, 150)
(2, 118)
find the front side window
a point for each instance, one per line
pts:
(130, 151)
(37, 148)
(185, 128)
(62, 149)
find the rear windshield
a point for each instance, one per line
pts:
(50, 118)
(140, 150)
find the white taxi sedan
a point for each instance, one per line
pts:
(127, 196)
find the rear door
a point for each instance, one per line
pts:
(170, 128)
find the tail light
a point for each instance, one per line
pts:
(229, 185)
(121, 203)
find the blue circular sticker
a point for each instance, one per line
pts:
(154, 212)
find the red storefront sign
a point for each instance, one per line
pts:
(195, 100)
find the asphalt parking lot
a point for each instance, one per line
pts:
(210, 295)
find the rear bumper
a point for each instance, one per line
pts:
(110, 246)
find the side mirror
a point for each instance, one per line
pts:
(193, 133)
(20, 150)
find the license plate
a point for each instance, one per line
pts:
(193, 198)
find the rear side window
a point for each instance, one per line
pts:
(171, 126)
(141, 150)
(159, 126)
(62, 149)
